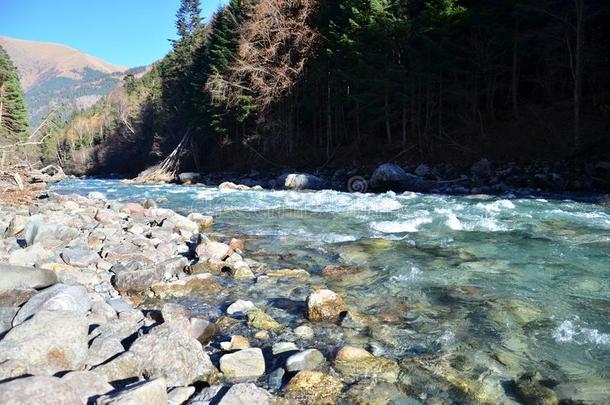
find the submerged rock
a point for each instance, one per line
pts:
(258, 319)
(325, 305)
(306, 360)
(530, 390)
(313, 388)
(303, 181)
(361, 366)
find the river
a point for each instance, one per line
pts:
(511, 284)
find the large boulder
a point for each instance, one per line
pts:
(302, 181)
(325, 305)
(189, 177)
(171, 352)
(18, 277)
(48, 342)
(60, 297)
(390, 176)
(123, 367)
(243, 365)
(39, 390)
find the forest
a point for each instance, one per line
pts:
(308, 83)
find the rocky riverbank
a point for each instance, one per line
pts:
(94, 308)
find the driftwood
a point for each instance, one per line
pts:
(167, 170)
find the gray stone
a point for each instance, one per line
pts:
(189, 177)
(247, 364)
(60, 297)
(276, 377)
(123, 367)
(179, 395)
(88, 385)
(246, 393)
(142, 280)
(283, 347)
(6, 318)
(207, 396)
(304, 332)
(388, 176)
(306, 360)
(102, 349)
(39, 390)
(12, 277)
(49, 342)
(172, 353)
(240, 307)
(15, 297)
(203, 330)
(146, 392)
(176, 315)
(79, 256)
(16, 226)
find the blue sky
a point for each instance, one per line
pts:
(123, 32)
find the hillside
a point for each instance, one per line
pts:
(53, 75)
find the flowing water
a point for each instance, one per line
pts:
(522, 283)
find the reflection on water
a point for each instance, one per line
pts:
(487, 287)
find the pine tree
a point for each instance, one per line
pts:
(13, 114)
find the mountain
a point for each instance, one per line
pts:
(54, 75)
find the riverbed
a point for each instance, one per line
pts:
(509, 285)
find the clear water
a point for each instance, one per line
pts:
(522, 279)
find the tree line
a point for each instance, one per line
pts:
(303, 82)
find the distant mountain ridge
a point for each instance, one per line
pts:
(54, 75)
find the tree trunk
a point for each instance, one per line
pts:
(579, 6)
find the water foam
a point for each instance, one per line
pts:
(568, 332)
(400, 226)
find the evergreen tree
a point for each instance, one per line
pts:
(13, 114)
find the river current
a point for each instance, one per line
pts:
(513, 284)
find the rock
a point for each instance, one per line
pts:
(237, 342)
(48, 342)
(88, 385)
(529, 390)
(16, 225)
(172, 353)
(240, 307)
(179, 395)
(183, 224)
(275, 378)
(149, 203)
(258, 319)
(30, 256)
(133, 209)
(102, 349)
(313, 388)
(213, 250)
(203, 330)
(105, 216)
(39, 390)
(204, 221)
(304, 332)
(236, 244)
(204, 282)
(136, 281)
(6, 318)
(482, 169)
(306, 360)
(176, 315)
(303, 181)
(124, 367)
(246, 393)
(350, 353)
(79, 256)
(60, 297)
(247, 364)
(381, 368)
(145, 392)
(341, 273)
(16, 277)
(243, 273)
(288, 273)
(325, 305)
(283, 347)
(422, 170)
(372, 392)
(262, 335)
(389, 176)
(189, 177)
(15, 297)
(39, 229)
